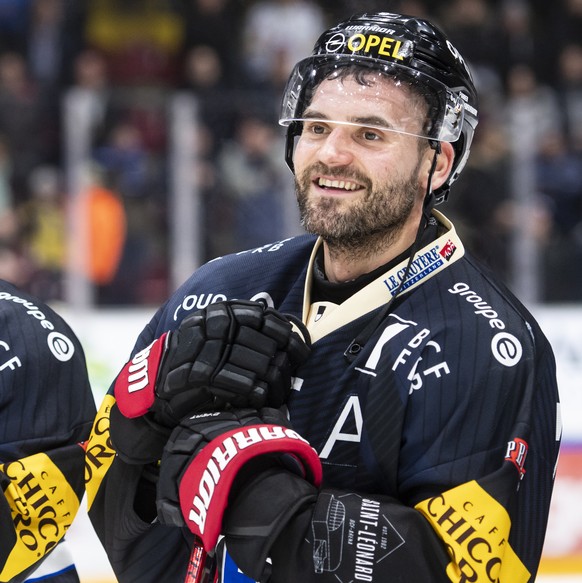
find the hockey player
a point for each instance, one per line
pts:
(46, 413)
(425, 387)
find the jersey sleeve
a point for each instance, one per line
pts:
(451, 537)
(46, 413)
(122, 511)
(121, 501)
(41, 495)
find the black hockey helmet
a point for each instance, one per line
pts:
(410, 49)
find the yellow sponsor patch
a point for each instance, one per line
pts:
(475, 528)
(376, 45)
(43, 507)
(99, 453)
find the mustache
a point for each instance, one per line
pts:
(336, 172)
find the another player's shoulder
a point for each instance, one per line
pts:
(40, 352)
(18, 307)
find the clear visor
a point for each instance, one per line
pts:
(409, 102)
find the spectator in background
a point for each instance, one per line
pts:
(215, 24)
(517, 42)
(8, 222)
(532, 108)
(204, 78)
(559, 179)
(523, 40)
(14, 267)
(569, 27)
(216, 237)
(271, 46)
(475, 32)
(125, 160)
(481, 205)
(570, 93)
(23, 121)
(92, 90)
(531, 111)
(52, 42)
(45, 41)
(58, 27)
(130, 170)
(99, 234)
(141, 39)
(44, 232)
(256, 181)
(107, 225)
(13, 19)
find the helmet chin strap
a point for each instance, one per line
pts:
(429, 197)
(428, 203)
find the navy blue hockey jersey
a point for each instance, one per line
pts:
(46, 413)
(440, 432)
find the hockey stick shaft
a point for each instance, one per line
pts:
(195, 572)
(200, 565)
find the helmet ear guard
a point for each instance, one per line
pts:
(441, 194)
(402, 47)
(293, 132)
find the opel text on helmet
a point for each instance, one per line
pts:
(411, 51)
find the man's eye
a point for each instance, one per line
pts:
(370, 135)
(317, 129)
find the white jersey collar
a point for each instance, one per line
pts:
(322, 318)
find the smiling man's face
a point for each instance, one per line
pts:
(355, 176)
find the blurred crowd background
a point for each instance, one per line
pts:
(90, 152)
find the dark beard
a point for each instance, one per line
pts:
(367, 227)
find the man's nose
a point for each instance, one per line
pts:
(336, 150)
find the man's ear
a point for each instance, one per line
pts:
(444, 165)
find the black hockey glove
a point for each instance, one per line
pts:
(211, 456)
(258, 514)
(231, 354)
